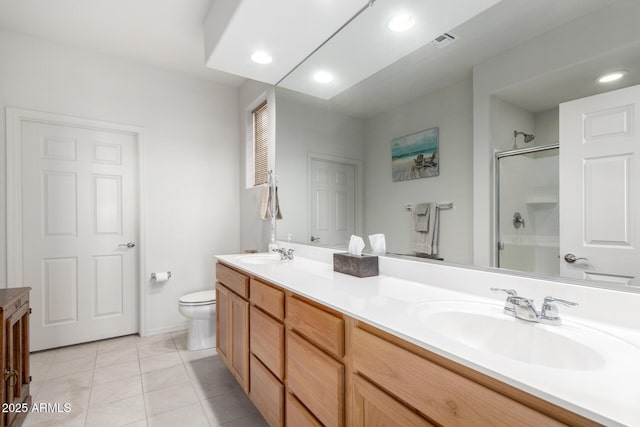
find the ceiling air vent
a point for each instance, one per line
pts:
(444, 40)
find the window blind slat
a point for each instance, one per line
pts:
(261, 143)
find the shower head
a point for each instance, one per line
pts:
(528, 137)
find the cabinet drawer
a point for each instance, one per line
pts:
(267, 393)
(267, 298)
(324, 329)
(267, 341)
(443, 396)
(297, 414)
(316, 379)
(372, 406)
(237, 282)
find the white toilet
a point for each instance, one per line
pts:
(200, 307)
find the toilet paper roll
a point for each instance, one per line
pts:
(163, 276)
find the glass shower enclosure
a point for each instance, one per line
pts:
(527, 209)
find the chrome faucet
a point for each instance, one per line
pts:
(549, 312)
(524, 308)
(509, 308)
(285, 254)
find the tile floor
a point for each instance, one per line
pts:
(133, 381)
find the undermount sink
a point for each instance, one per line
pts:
(485, 327)
(260, 258)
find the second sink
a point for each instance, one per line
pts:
(484, 327)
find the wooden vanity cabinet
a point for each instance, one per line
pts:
(14, 304)
(297, 415)
(267, 351)
(315, 344)
(232, 322)
(374, 407)
(387, 370)
(304, 364)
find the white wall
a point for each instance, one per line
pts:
(302, 129)
(505, 118)
(191, 153)
(450, 109)
(547, 130)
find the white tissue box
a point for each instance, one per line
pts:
(356, 265)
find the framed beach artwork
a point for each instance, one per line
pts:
(415, 155)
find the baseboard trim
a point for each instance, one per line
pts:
(173, 328)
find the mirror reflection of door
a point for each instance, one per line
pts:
(600, 213)
(332, 202)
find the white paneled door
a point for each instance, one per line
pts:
(600, 187)
(332, 210)
(79, 212)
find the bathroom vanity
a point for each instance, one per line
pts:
(314, 347)
(16, 399)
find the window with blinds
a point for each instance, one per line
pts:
(261, 144)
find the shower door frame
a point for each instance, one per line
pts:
(496, 177)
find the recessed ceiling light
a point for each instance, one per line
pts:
(401, 23)
(261, 57)
(611, 77)
(323, 77)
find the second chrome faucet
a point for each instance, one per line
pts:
(524, 308)
(285, 254)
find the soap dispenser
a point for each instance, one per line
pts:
(272, 244)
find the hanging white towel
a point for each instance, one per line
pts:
(278, 210)
(266, 205)
(422, 216)
(426, 242)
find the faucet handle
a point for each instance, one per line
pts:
(561, 301)
(509, 308)
(510, 292)
(549, 311)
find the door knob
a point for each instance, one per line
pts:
(571, 258)
(129, 245)
(518, 221)
(314, 238)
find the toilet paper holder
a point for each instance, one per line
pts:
(154, 277)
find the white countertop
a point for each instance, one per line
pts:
(609, 394)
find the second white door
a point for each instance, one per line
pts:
(79, 228)
(332, 210)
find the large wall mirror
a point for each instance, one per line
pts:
(463, 114)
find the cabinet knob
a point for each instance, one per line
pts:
(9, 373)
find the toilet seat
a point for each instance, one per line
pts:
(199, 298)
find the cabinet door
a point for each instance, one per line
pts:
(239, 358)
(372, 408)
(316, 379)
(267, 341)
(17, 359)
(222, 322)
(443, 396)
(267, 393)
(297, 414)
